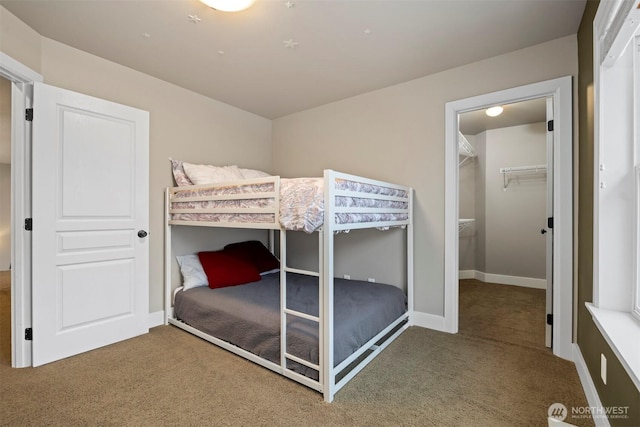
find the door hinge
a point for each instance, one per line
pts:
(28, 224)
(28, 334)
(29, 114)
(549, 319)
(550, 222)
(550, 125)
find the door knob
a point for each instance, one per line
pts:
(543, 231)
(142, 234)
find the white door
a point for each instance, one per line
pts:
(90, 216)
(548, 230)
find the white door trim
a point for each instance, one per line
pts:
(561, 91)
(549, 232)
(22, 78)
(17, 72)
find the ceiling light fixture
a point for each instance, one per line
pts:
(494, 111)
(228, 5)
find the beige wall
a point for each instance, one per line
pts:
(19, 41)
(183, 125)
(397, 134)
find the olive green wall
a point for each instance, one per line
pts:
(620, 390)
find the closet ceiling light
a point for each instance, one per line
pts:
(494, 111)
(228, 5)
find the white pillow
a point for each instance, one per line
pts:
(252, 173)
(207, 174)
(192, 272)
(178, 173)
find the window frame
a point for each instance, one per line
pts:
(615, 237)
(635, 306)
(616, 210)
(635, 301)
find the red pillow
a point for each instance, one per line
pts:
(255, 253)
(223, 269)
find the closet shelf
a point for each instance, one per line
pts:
(520, 170)
(465, 149)
(465, 223)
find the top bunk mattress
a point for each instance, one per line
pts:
(301, 203)
(248, 316)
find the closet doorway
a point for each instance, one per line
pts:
(559, 91)
(505, 200)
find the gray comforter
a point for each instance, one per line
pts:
(248, 316)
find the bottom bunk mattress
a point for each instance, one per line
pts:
(248, 316)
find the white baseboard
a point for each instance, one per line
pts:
(526, 282)
(156, 318)
(429, 321)
(589, 387)
(467, 274)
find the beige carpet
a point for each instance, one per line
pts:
(169, 377)
(503, 313)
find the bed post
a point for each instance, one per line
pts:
(410, 278)
(271, 240)
(167, 258)
(327, 373)
(283, 298)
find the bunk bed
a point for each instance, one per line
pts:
(320, 330)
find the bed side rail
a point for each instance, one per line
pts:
(250, 203)
(396, 201)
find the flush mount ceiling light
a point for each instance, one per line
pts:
(228, 5)
(494, 111)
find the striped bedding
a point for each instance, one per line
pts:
(301, 204)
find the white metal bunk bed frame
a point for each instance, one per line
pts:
(327, 383)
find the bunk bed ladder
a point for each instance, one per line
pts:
(286, 311)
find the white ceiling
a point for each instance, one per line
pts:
(338, 48)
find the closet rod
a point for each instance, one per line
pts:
(520, 169)
(536, 168)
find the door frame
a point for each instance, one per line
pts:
(560, 90)
(22, 78)
(548, 339)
